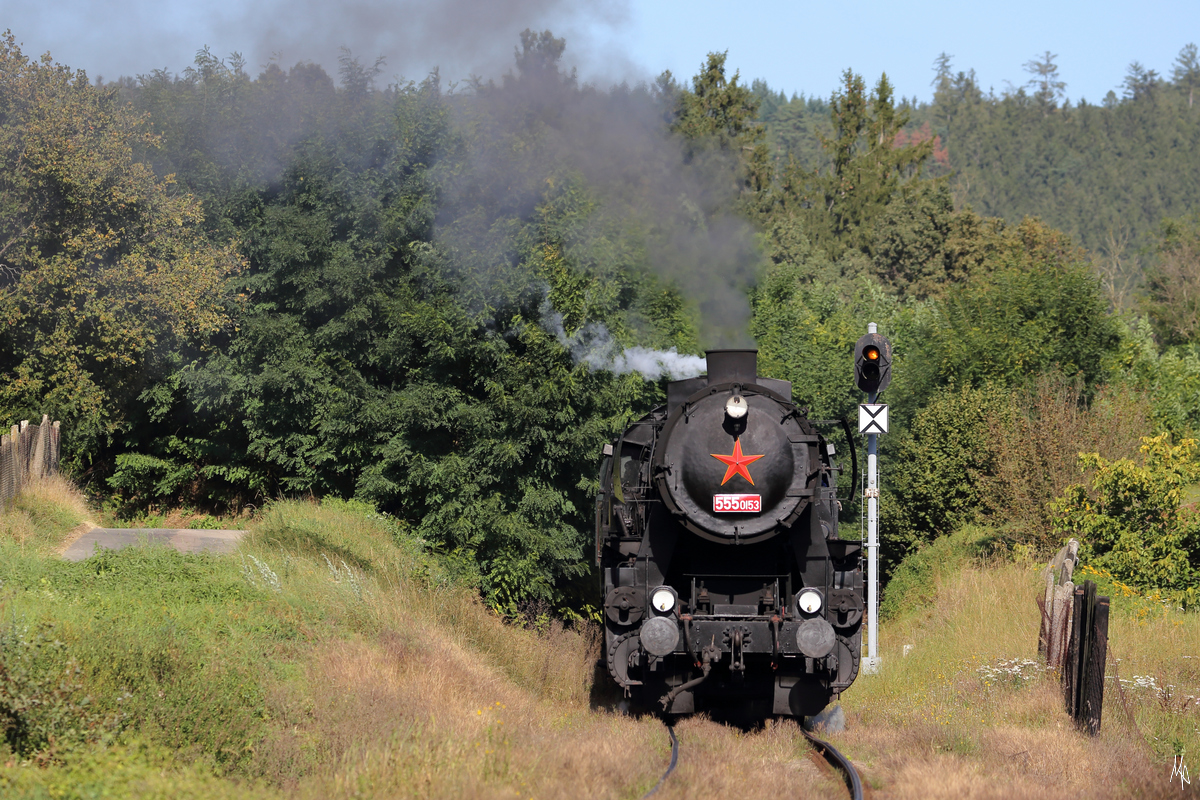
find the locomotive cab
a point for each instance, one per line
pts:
(726, 587)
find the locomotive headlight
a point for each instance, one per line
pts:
(809, 601)
(736, 407)
(663, 599)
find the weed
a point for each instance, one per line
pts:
(345, 575)
(1015, 672)
(265, 578)
(1168, 696)
(44, 710)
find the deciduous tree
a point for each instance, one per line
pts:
(106, 268)
(1173, 282)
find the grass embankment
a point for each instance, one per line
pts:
(335, 657)
(970, 711)
(43, 516)
(331, 657)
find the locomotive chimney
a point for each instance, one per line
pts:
(732, 366)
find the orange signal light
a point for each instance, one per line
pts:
(871, 354)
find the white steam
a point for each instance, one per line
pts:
(594, 347)
(654, 364)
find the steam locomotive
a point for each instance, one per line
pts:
(725, 586)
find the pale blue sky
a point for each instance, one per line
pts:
(797, 46)
(805, 46)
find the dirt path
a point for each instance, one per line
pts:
(182, 539)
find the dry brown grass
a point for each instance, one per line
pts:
(46, 516)
(1034, 755)
(436, 722)
(774, 761)
(433, 721)
(438, 697)
(937, 724)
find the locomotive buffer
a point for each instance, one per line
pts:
(872, 373)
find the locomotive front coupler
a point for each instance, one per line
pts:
(737, 658)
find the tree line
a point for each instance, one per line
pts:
(1106, 173)
(234, 287)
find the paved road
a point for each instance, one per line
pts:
(182, 539)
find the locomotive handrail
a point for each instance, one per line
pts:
(853, 452)
(845, 423)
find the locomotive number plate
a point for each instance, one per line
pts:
(737, 503)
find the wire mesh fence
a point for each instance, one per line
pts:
(27, 453)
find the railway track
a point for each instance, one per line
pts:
(671, 766)
(827, 751)
(838, 762)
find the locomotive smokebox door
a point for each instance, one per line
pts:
(736, 460)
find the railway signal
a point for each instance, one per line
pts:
(872, 373)
(873, 362)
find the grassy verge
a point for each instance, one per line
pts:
(969, 710)
(331, 657)
(42, 515)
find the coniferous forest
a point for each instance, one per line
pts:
(232, 287)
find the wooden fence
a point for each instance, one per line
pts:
(1056, 605)
(1074, 638)
(27, 453)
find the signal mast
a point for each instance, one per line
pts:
(872, 373)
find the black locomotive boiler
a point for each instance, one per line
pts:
(726, 587)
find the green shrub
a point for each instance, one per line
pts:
(1037, 309)
(1130, 519)
(44, 710)
(934, 486)
(1035, 449)
(141, 479)
(1002, 455)
(913, 584)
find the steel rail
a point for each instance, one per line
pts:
(671, 766)
(838, 762)
(825, 749)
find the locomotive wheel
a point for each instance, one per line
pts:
(619, 653)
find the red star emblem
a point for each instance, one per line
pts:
(736, 463)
